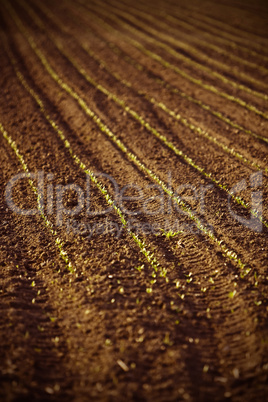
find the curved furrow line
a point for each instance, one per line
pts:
(132, 158)
(139, 67)
(166, 38)
(211, 313)
(133, 114)
(211, 32)
(141, 244)
(171, 7)
(237, 327)
(58, 242)
(164, 62)
(228, 254)
(216, 48)
(69, 312)
(33, 292)
(181, 94)
(226, 251)
(196, 257)
(193, 37)
(152, 299)
(221, 37)
(170, 87)
(220, 29)
(193, 51)
(151, 129)
(59, 133)
(41, 108)
(176, 116)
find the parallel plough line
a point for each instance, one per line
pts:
(192, 50)
(121, 103)
(239, 200)
(170, 88)
(165, 63)
(149, 256)
(59, 243)
(203, 27)
(226, 251)
(193, 37)
(216, 48)
(193, 127)
(221, 26)
(148, 127)
(223, 40)
(142, 245)
(178, 92)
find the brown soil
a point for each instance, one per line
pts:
(115, 326)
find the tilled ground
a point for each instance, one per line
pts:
(162, 297)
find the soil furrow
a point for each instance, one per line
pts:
(226, 30)
(248, 84)
(49, 389)
(192, 126)
(151, 77)
(71, 355)
(192, 35)
(158, 306)
(171, 65)
(154, 49)
(219, 37)
(27, 303)
(78, 68)
(171, 77)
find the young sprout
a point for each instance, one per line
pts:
(232, 294)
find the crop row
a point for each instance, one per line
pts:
(192, 51)
(195, 35)
(140, 67)
(147, 125)
(219, 28)
(193, 127)
(165, 63)
(58, 241)
(171, 88)
(142, 245)
(122, 147)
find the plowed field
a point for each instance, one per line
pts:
(134, 215)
